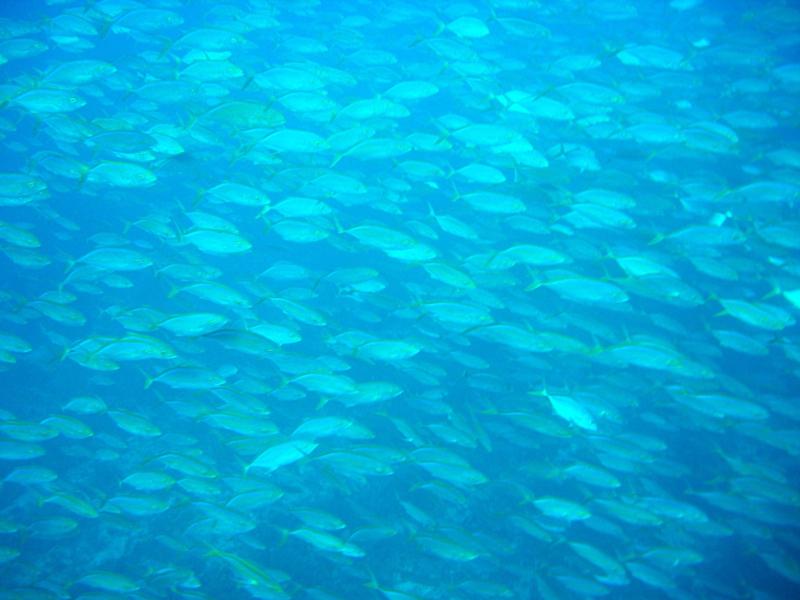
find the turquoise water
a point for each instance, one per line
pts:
(404, 300)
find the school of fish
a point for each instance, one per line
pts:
(414, 300)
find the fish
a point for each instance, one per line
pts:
(403, 300)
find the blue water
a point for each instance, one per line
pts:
(523, 327)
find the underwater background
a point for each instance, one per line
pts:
(407, 300)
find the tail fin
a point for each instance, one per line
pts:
(148, 381)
